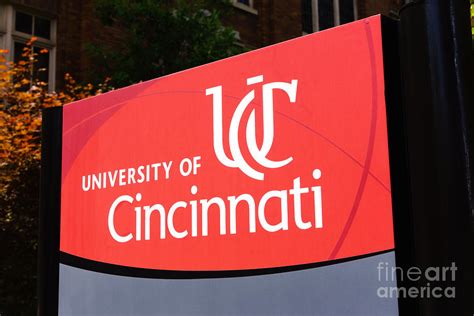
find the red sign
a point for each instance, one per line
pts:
(273, 158)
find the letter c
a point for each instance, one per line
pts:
(173, 231)
(113, 232)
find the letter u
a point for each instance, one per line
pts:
(84, 187)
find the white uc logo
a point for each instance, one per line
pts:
(259, 154)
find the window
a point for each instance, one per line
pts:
(307, 16)
(346, 11)
(318, 15)
(32, 25)
(326, 15)
(246, 5)
(41, 66)
(3, 26)
(17, 27)
(245, 2)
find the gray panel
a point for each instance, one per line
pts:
(348, 288)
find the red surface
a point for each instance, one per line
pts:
(337, 125)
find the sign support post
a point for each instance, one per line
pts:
(49, 216)
(436, 96)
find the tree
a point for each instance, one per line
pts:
(162, 37)
(472, 19)
(22, 96)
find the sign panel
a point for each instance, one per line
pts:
(261, 173)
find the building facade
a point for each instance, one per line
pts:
(67, 27)
(265, 22)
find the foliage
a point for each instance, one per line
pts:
(22, 96)
(472, 19)
(162, 37)
(18, 233)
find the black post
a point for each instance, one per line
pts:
(435, 52)
(50, 204)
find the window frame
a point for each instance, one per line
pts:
(249, 8)
(10, 36)
(336, 12)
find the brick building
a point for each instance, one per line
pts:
(66, 27)
(265, 22)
